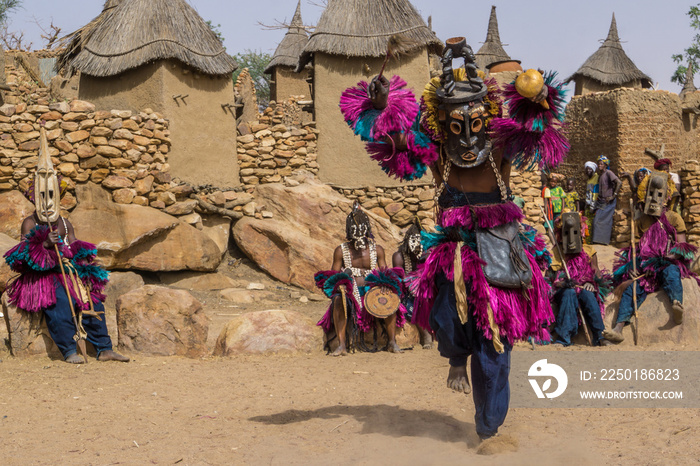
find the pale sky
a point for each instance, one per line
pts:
(548, 34)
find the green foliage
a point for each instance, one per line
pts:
(215, 30)
(6, 7)
(691, 54)
(256, 62)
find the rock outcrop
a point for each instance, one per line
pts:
(656, 324)
(27, 334)
(14, 208)
(140, 238)
(307, 225)
(161, 321)
(274, 331)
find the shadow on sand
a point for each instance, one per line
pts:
(386, 420)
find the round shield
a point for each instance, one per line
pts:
(381, 301)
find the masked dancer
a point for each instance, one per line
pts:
(663, 256)
(585, 286)
(479, 289)
(55, 267)
(408, 256)
(358, 265)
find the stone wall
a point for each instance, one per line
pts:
(690, 181)
(124, 152)
(276, 145)
(621, 124)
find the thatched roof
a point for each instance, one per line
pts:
(361, 28)
(689, 85)
(610, 65)
(289, 50)
(130, 33)
(492, 50)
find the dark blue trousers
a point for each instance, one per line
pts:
(489, 369)
(62, 329)
(670, 281)
(567, 319)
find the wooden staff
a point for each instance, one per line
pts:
(78, 337)
(568, 275)
(635, 328)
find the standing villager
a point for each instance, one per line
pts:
(571, 199)
(477, 291)
(663, 256)
(557, 194)
(358, 265)
(609, 187)
(591, 197)
(59, 274)
(635, 179)
(407, 258)
(585, 286)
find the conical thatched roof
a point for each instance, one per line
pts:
(361, 28)
(689, 85)
(289, 50)
(492, 50)
(130, 33)
(610, 64)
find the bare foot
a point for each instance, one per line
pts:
(392, 347)
(458, 380)
(340, 351)
(677, 312)
(427, 338)
(75, 359)
(613, 336)
(109, 355)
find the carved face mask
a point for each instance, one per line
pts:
(656, 194)
(358, 234)
(47, 192)
(357, 228)
(571, 233)
(461, 108)
(414, 245)
(467, 144)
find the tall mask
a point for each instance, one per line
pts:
(47, 192)
(357, 227)
(571, 233)
(461, 109)
(656, 194)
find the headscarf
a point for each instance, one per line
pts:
(643, 170)
(604, 159)
(660, 162)
(591, 165)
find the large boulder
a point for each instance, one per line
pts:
(6, 273)
(218, 229)
(160, 321)
(14, 208)
(308, 223)
(274, 331)
(140, 238)
(656, 323)
(26, 332)
(119, 283)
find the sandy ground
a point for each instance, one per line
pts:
(304, 409)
